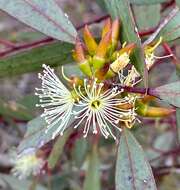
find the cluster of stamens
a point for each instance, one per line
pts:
(99, 108)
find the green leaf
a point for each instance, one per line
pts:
(44, 16)
(15, 111)
(178, 122)
(101, 3)
(137, 2)
(172, 30)
(160, 143)
(121, 9)
(178, 109)
(147, 2)
(92, 180)
(80, 151)
(58, 149)
(133, 171)
(12, 183)
(73, 70)
(144, 17)
(169, 93)
(54, 54)
(178, 2)
(35, 136)
(61, 181)
(29, 102)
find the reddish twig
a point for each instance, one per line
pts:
(97, 20)
(14, 48)
(147, 32)
(166, 53)
(147, 91)
(26, 46)
(166, 5)
(7, 43)
(164, 170)
(169, 51)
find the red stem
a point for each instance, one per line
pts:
(167, 5)
(146, 32)
(7, 43)
(164, 170)
(26, 46)
(46, 40)
(97, 20)
(168, 50)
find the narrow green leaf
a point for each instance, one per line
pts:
(178, 122)
(15, 110)
(136, 2)
(178, 109)
(58, 149)
(147, 2)
(169, 93)
(172, 30)
(29, 102)
(101, 3)
(45, 16)
(73, 70)
(121, 9)
(144, 17)
(80, 151)
(54, 54)
(36, 136)
(12, 183)
(61, 181)
(92, 180)
(133, 171)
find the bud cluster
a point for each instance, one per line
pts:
(105, 59)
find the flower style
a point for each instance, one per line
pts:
(56, 100)
(27, 164)
(101, 109)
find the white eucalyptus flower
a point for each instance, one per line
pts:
(99, 108)
(56, 100)
(27, 164)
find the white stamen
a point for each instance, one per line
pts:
(56, 100)
(99, 108)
